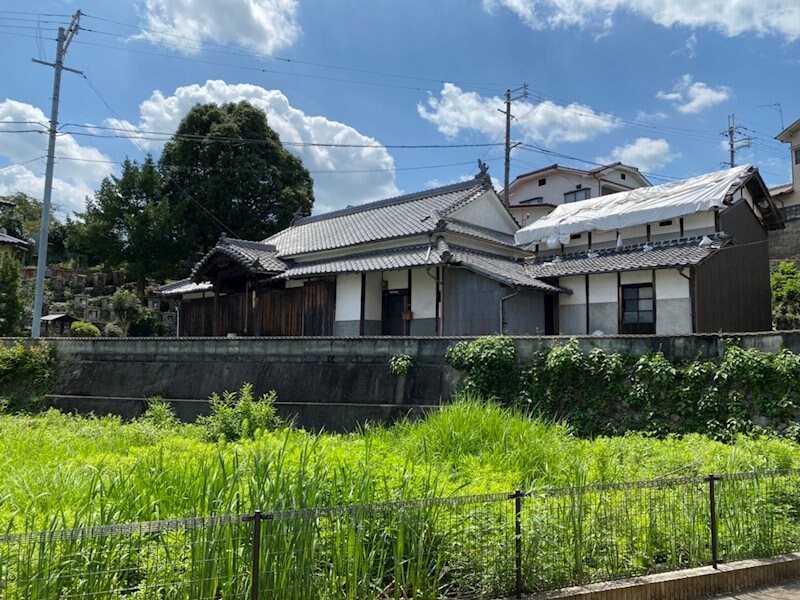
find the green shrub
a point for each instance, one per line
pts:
(238, 415)
(785, 282)
(113, 330)
(27, 373)
(159, 414)
(83, 329)
(400, 364)
(489, 365)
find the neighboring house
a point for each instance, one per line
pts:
(684, 257)
(786, 244)
(13, 247)
(437, 262)
(534, 195)
(57, 325)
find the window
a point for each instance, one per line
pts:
(638, 309)
(543, 181)
(665, 223)
(797, 156)
(577, 195)
(622, 175)
(575, 236)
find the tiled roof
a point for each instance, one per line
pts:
(499, 268)
(184, 286)
(256, 257)
(8, 239)
(661, 255)
(386, 219)
(483, 233)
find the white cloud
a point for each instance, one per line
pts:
(732, 17)
(262, 25)
(74, 179)
(644, 153)
(692, 97)
(689, 48)
(546, 122)
(650, 117)
(332, 190)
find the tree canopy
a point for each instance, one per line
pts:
(225, 170)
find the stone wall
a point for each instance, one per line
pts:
(327, 382)
(784, 244)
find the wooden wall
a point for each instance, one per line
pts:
(308, 310)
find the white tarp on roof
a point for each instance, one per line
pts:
(636, 207)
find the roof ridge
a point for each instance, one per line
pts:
(446, 189)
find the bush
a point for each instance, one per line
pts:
(400, 364)
(785, 282)
(27, 373)
(83, 329)
(159, 414)
(238, 415)
(489, 365)
(112, 330)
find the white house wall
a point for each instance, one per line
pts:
(673, 303)
(373, 303)
(423, 302)
(572, 307)
(347, 316)
(603, 294)
(486, 211)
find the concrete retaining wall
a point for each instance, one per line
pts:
(331, 382)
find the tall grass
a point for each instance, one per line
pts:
(59, 471)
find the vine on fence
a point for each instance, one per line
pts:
(601, 393)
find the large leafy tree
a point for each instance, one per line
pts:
(129, 224)
(225, 169)
(23, 220)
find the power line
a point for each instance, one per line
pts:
(313, 172)
(226, 49)
(22, 164)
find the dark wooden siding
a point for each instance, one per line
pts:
(731, 289)
(307, 310)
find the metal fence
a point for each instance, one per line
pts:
(489, 546)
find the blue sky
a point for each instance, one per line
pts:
(649, 82)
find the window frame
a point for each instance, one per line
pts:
(797, 155)
(637, 327)
(575, 193)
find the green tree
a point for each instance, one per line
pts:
(12, 306)
(785, 282)
(127, 308)
(23, 220)
(128, 224)
(225, 167)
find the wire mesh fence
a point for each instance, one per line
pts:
(489, 546)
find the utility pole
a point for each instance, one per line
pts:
(735, 143)
(507, 113)
(62, 44)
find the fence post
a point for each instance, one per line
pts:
(255, 575)
(712, 500)
(518, 495)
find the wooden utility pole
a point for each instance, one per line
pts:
(507, 113)
(62, 44)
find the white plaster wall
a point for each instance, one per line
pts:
(659, 230)
(487, 211)
(795, 197)
(698, 221)
(629, 234)
(527, 214)
(373, 297)
(396, 280)
(423, 294)
(603, 288)
(348, 297)
(577, 284)
(629, 277)
(670, 285)
(553, 191)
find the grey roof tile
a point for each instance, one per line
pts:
(8, 239)
(499, 268)
(386, 219)
(677, 253)
(183, 286)
(257, 257)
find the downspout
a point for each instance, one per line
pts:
(439, 286)
(691, 297)
(502, 311)
(178, 320)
